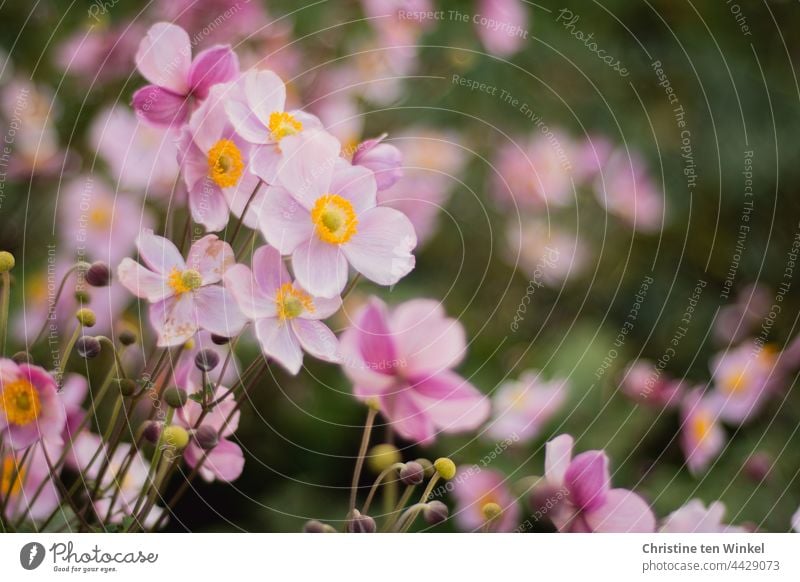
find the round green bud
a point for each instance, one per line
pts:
(86, 317)
(445, 467)
(427, 466)
(127, 337)
(491, 510)
(22, 358)
(7, 261)
(191, 279)
(175, 397)
(127, 387)
(175, 436)
(381, 457)
(82, 297)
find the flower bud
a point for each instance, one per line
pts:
(88, 347)
(383, 159)
(22, 358)
(127, 387)
(435, 512)
(360, 523)
(175, 436)
(445, 467)
(491, 510)
(412, 473)
(427, 466)
(98, 275)
(151, 430)
(314, 526)
(381, 457)
(758, 466)
(206, 360)
(219, 340)
(206, 437)
(127, 337)
(7, 261)
(175, 397)
(86, 317)
(82, 297)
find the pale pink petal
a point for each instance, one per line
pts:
(210, 256)
(252, 301)
(452, 403)
(316, 339)
(159, 253)
(218, 64)
(265, 93)
(174, 320)
(193, 162)
(622, 512)
(307, 165)
(159, 106)
(278, 342)
(427, 339)
(408, 419)
(557, 458)
(381, 249)
(374, 338)
(245, 122)
(265, 161)
(165, 57)
(269, 270)
(208, 205)
(238, 197)
(356, 184)
(588, 479)
(284, 223)
(216, 311)
(324, 307)
(209, 121)
(321, 268)
(142, 282)
(224, 462)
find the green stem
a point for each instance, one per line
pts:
(377, 484)
(361, 454)
(4, 302)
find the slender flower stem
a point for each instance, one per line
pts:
(422, 501)
(67, 352)
(63, 490)
(71, 270)
(373, 411)
(392, 517)
(5, 298)
(160, 446)
(408, 517)
(377, 483)
(6, 495)
(351, 285)
(239, 223)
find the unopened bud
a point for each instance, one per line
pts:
(22, 358)
(491, 510)
(314, 526)
(360, 523)
(206, 360)
(435, 512)
(175, 397)
(98, 275)
(427, 466)
(127, 387)
(88, 347)
(86, 317)
(206, 437)
(7, 261)
(127, 337)
(381, 457)
(219, 340)
(758, 466)
(412, 473)
(82, 297)
(175, 436)
(445, 467)
(151, 431)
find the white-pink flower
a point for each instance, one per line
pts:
(287, 318)
(324, 214)
(185, 295)
(695, 517)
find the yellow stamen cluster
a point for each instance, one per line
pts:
(334, 218)
(183, 281)
(282, 124)
(13, 477)
(225, 165)
(100, 217)
(701, 426)
(19, 402)
(292, 302)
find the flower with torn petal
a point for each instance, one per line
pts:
(165, 59)
(287, 318)
(475, 490)
(702, 438)
(184, 296)
(588, 503)
(695, 517)
(30, 409)
(257, 114)
(324, 214)
(215, 162)
(404, 359)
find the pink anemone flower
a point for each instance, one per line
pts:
(404, 359)
(474, 489)
(325, 216)
(702, 437)
(500, 25)
(744, 378)
(287, 318)
(23, 475)
(588, 503)
(257, 113)
(184, 296)
(30, 409)
(165, 59)
(695, 517)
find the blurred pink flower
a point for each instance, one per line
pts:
(547, 253)
(648, 385)
(743, 379)
(405, 360)
(165, 59)
(216, 21)
(30, 408)
(626, 189)
(522, 407)
(589, 504)
(72, 394)
(702, 438)
(20, 481)
(383, 159)
(287, 318)
(184, 297)
(474, 488)
(324, 214)
(100, 54)
(695, 517)
(142, 158)
(736, 321)
(257, 113)
(501, 25)
(215, 162)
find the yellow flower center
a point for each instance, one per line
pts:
(183, 281)
(292, 302)
(282, 124)
(225, 165)
(100, 217)
(735, 383)
(701, 426)
(20, 403)
(518, 401)
(334, 218)
(13, 477)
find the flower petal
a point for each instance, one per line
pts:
(216, 311)
(557, 458)
(588, 480)
(174, 320)
(159, 253)
(208, 205)
(252, 301)
(284, 223)
(265, 93)
(160, 106)
(165, 57)
(245, 122)
(211, 257)
(622, 512)
(356, 184)
(316, 339)
(218, 64)
(278, 342)
(321, 268)
(452, 403)
(407, 418)
(381, 249)
(269, 270)
(142, 282)
(307, 165)
(426, 338)
(224, 462)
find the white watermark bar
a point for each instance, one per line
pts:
(332, 557)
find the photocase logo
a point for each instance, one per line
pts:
(31, 555)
